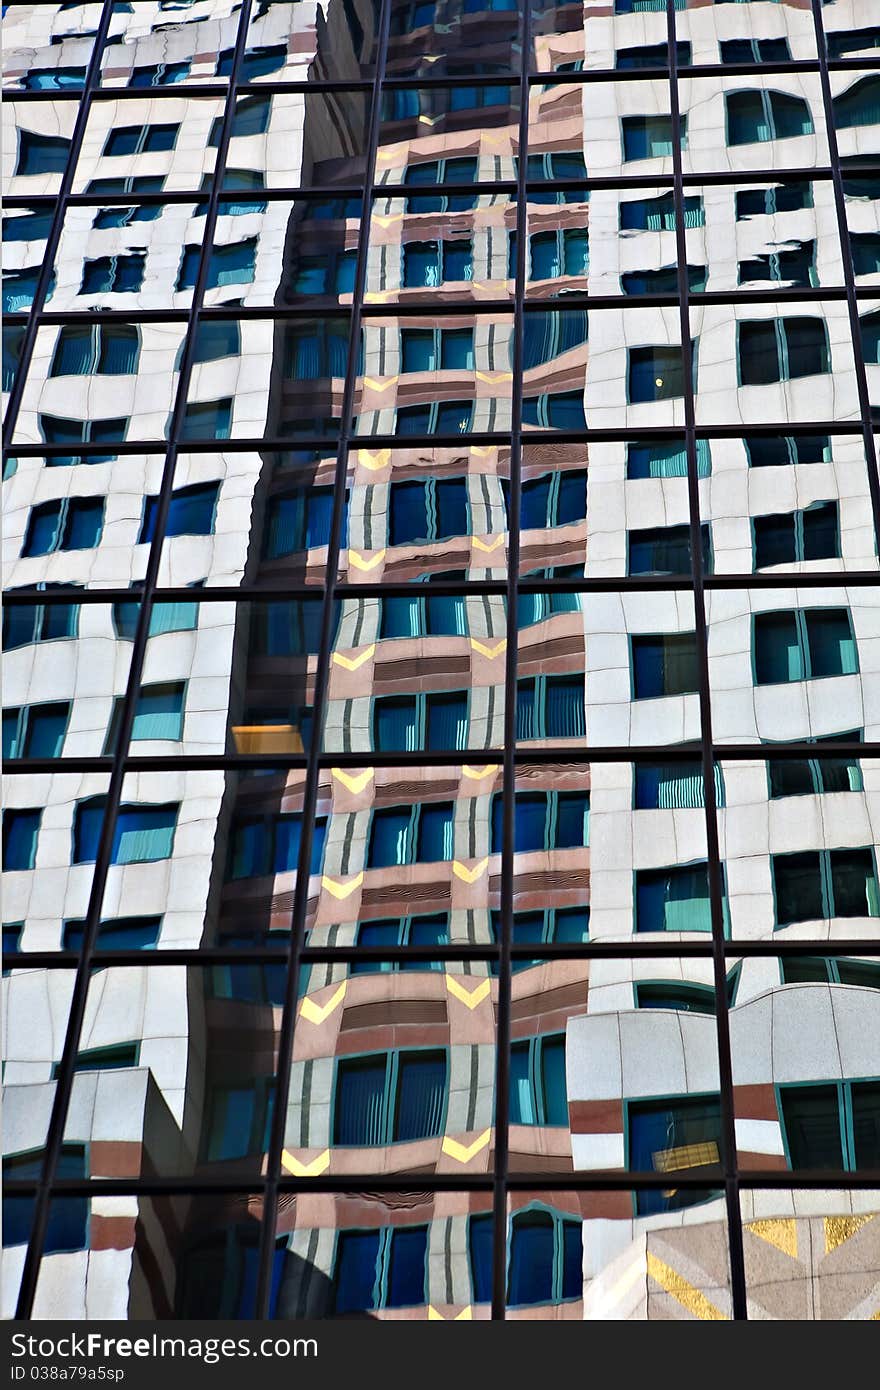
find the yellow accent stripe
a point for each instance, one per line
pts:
(684, 1293)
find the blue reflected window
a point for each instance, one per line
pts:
(70, 523)
(411, 835)
(141, 835)
(20, 831)
(670, 1136)
(191, 512)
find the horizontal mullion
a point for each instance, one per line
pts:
(454, 758)
(628, 948)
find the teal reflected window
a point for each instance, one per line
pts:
(158, 714)
(385, 1268)
(437, 349)
(69, 523)
(650, 137)
(658, 214)
(121, 274)
(434, 721)
(20, 831)
(109, 349)
(803, 644)
(674, 899)
(537, 1081)
(191, 512)
(859, 105)
(544, 821)
(770, 350)
(239, 1119)
(778, 451)
(816, 885)
(551, 707)
(142, 834)
(673, 786)
(670, 1136)
(664, 664)
(207, 419)
(41, 154)
(389, 1097)
(418, 834)
(427, 264)
(35, 731)
(789, 537)
(391, 932)
(144, 139)
(831, 1125)
(460, 170)
(755, 117)
(650, 459)
(561, 926)
(544, 1257)
(434, 510)
(657, 373)
(264, 845)
(781, 197)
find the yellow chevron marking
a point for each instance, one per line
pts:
(490, 652)
(479, 774)
(466, 1315)
(342, 890)
(386, 219)
(780, 1232)
(470, 998)
(314, 1169)
(495, 139)
(463, 1153)
(684, 1293)
(374, 460)
(360, 562)
(316, 1013)
(429, 120)
(380, 386)
(469, 875)
(377, 296)
(488, 546)
(838, 1229)
(494, 377)
(354, 663)
(355, 781)
(482, 451)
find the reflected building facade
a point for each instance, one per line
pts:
(441, 522)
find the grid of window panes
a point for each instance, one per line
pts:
(442, 512)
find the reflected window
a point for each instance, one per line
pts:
(549, 335)
(551, 707)
(662, 281)
(159, 74)
(435, 417)
(816, 776)
(158, 714)
(658, 214)
(561, 926)
(771, 350)
(657, 373)
(434, 510)
(865, 247)
(418, 834)
(192, 511)
(835, 1125)
(69, 523)
(38, 623)
(665, 664)
(436, 349)
(227, 265)
(124, 217)
(436, 721)
(537, 1081)
(791, 537)
(427, 264)
(120, 274)
(389, 1097)
(35, 731)
(239, 1119)
(780, 197)
(385, 1268)
(251, 117)
(67, 1228)
(207, 419)
(755, 51)
(552, 254)
(666, 550)
(107, 349)
(832, 970)
(41, 154)
(429, 615)
(300, 521)
(674, 899)
(391, 932)
(142, 834)
(673, 1136)
(545, 1260)
(461, 170)
(859, 105)
(543, 821)
(536, 608)
(796, 265)
(144, 139)
(114, 934)
(264, 845)
(816, 885)
(20, 831)
(657, 459)
(803, 644)
(757, 116)
(562, 410)
(843, 45)
(673, 786)
(777, 450)
(650, 137)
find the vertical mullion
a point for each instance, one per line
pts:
(505, 932)
(284, 1062)
(90, 82)
(715, 876)
(65, 1070)
(848, 272)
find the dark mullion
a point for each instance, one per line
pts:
(522, 755)
(848, 273)
(508, 829)
(611, 1180)
(65, 1070)
(715, 876)
(84, 99)
(630, 949)
(347, 440)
